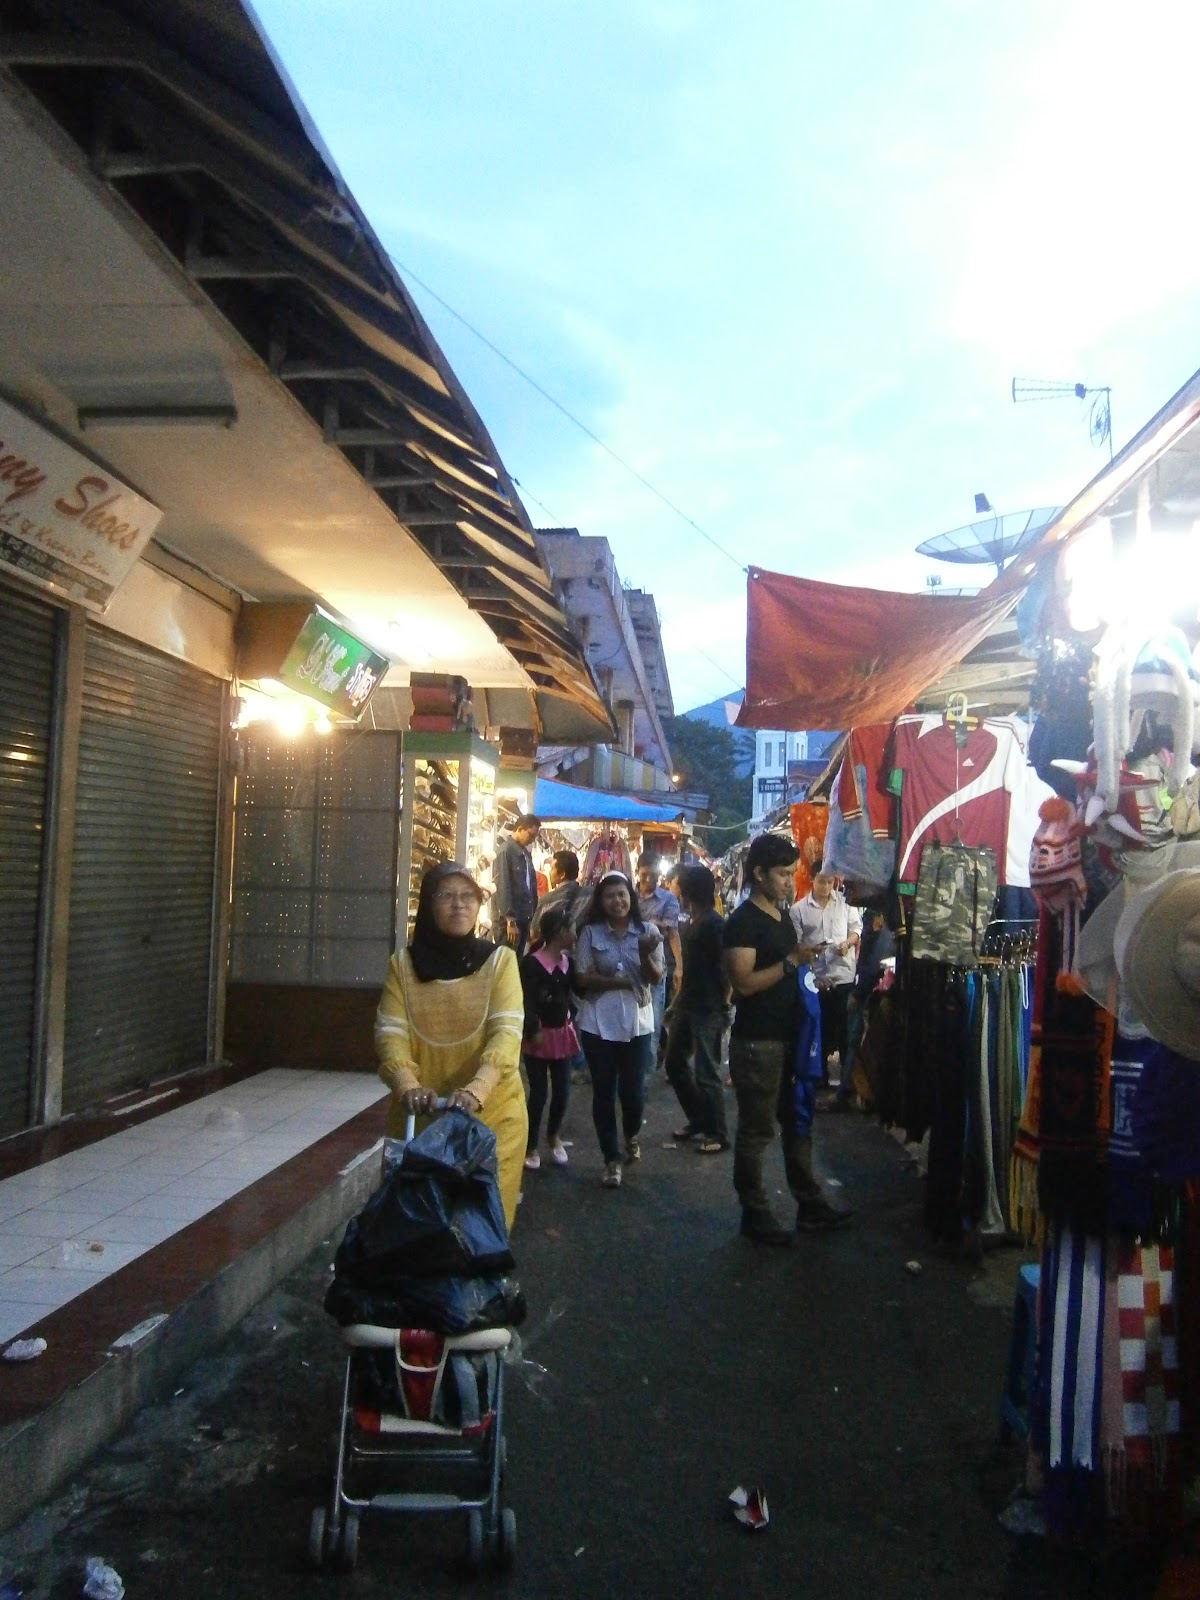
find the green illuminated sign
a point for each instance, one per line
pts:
(330, 665)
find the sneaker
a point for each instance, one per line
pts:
(682, 1135)
(532, 1161)
(558, 1153)
(761, 1228)
(818, 1216)
(612, 1175)
(633, 1151)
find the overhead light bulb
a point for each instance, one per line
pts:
(290, 719)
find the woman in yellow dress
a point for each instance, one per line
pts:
(450, 1023)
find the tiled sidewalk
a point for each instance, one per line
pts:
(68, 1223)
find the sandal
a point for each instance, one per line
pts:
(710, 1146)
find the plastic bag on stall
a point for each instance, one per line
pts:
(851, 849)
(437, 1213)
(445, 1305)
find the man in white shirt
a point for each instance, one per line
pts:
(825, 922)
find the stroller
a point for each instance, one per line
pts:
(422, 1421)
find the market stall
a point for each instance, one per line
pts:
(607, 831)
(1042, 875)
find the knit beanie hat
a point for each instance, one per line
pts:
(1055, 858)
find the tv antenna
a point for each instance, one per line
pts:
(1099, 412)
(995, 537)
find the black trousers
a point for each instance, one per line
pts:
(834, 1021)
(555, 1075)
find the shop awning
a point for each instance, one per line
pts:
(823, 655)
(566, 802)
(390, 473)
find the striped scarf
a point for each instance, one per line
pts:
(1071, 1316)
(1141, 1410)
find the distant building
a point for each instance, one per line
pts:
(784, 766)
(619, 630)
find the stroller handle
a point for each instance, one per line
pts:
(441, 1104)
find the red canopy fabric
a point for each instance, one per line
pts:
(821, 655)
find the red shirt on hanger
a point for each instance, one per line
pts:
(954, 793)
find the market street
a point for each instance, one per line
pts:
(679, 1362)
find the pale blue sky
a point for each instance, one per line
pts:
(785, 258)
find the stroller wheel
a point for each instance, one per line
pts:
(348, 1554)
(506, 1543)
(316, 1539)
(475, 1540)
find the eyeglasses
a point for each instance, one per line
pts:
(456, 897)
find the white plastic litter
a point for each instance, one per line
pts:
(750, 1507)
(25, 1350)
(136, 1334)
(103, 1582)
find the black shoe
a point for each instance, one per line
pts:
(818, 1216)
(761, 1228)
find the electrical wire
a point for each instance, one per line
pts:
(570, 415)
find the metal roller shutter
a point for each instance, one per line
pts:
(142, 886)
(28, 630)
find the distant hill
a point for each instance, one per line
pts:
(717, 715)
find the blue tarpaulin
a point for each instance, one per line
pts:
(565, 802)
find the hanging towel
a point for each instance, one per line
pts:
(1165, 1113)
(1129, 1176)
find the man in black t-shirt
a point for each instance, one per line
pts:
(696, 1019)
(762, 958)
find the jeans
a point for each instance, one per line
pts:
(658, 997)
(757, 1069)
(538, 1072)
(618, 1069)
(694, 1069)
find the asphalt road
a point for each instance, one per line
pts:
(665, 1361)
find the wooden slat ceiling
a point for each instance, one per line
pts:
(209, 160)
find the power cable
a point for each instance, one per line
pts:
(570, 415)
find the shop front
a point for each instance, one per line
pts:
(111, 756)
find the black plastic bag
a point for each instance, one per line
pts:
(437, 1213)
(444, 1305)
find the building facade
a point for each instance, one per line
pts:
(784, 764)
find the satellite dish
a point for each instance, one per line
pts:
(993, 538)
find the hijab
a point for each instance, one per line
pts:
(444, 955)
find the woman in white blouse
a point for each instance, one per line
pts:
(618, 960)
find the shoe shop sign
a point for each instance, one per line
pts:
(66, 523)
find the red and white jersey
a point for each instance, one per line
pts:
(981, 794)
